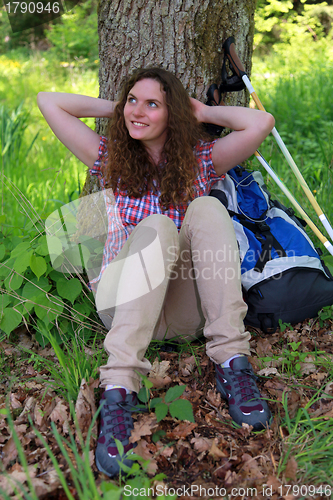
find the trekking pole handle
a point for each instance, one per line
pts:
(230, 51)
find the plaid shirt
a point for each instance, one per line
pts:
(125, 212)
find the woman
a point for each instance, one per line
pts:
(176, 272)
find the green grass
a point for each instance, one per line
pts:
(48, 175)
(297, 91)
(309, 441)
(75, 364)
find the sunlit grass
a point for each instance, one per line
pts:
(309, 441)
(49, 175)
(300, 100)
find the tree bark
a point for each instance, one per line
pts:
(182, 36)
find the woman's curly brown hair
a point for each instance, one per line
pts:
(131, 169)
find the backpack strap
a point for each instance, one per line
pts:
(263, 233)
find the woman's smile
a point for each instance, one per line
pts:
(137, 124)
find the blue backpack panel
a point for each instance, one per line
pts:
(283, 276)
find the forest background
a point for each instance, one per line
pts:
(292, 72)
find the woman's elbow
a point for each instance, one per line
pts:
(269, 122)
(41, 98)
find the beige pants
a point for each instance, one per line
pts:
(163, 284)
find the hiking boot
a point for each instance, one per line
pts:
(237, 385)
(116, 422)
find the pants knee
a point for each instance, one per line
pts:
(207, 208)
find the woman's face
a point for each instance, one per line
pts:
(146, 113)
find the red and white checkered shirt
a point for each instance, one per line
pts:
(130, 211)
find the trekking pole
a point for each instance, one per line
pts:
(293, 200)
(230, 51)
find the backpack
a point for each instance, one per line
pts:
(283, 277)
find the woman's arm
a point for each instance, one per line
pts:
(63, 112)
(250, 127)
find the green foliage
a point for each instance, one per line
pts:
(267, 16)
(291, 359)
(76, 28)
(284, 326)
(326, 313)
(76, 36)
(171, 402)
(57, 306)
(136, 476)
(279, 22)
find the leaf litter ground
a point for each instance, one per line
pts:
(208, 455)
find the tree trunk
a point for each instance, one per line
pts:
(182, 36)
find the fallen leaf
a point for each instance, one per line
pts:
(160, 382)
(210, 417)
(268, 371)
(274, 482)
(31, 371)
(246, 429)
(143, 451)
(292, 335)
(294, 402)
(143, 427)
(230, 478)
(215, 452)
(186, 365)
(329, 389)
(31, 384)
(291, 469)
(251, 467)
(38, 415)
(59, 413)
(264, 348)
(41, 487)
(214, 397)
(47, 352)
(9, 452)
(14, 402)
(159, 368)
(328, 416)
(276, 388)
(85, 407)
(323, 409)
(308, 366)
(319, 377)
(9, 482)
(182, 430)
(164, 450)
(201, 444)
